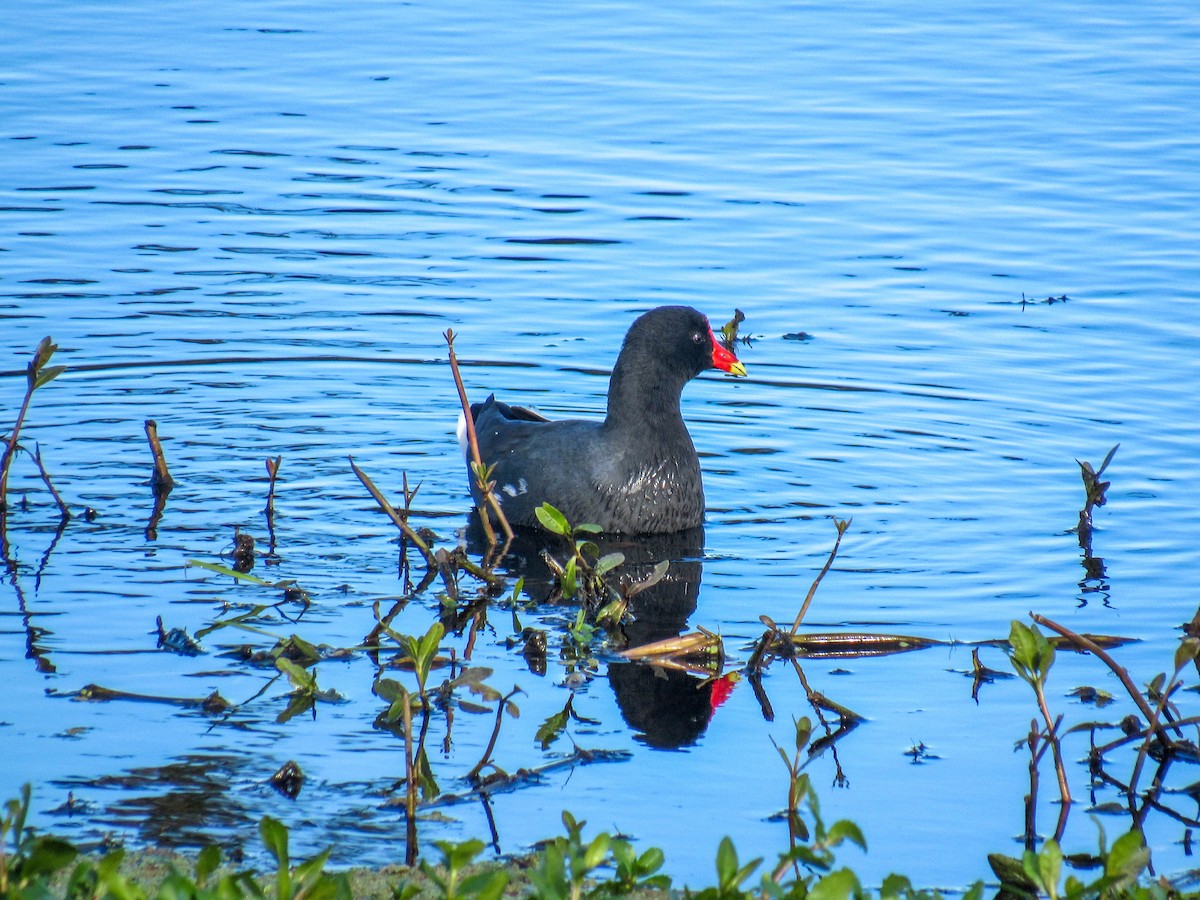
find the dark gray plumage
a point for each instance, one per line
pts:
(635, 472)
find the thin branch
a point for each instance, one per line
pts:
(842, 525)
(487, 753)
(485, 487)
(1084, 643)
(37, 459)
(160, 481)
(396, 518)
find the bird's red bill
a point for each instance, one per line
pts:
(723, 359)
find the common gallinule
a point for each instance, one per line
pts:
(637, 471)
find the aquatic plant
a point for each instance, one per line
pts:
(37, 374)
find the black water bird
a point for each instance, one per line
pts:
(635, 472)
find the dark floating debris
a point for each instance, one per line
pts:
(243, 551)
(1049, 301)
(177, 640)
(214, 703)
(288, 780)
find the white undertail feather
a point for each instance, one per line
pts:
(463, 443)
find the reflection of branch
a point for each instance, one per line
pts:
(45, 561)
(1150, 800)
(12, 567)
(502, 705)
(156, 514)
(500, 782)
(1035, 756)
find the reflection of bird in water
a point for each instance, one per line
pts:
(669, 708)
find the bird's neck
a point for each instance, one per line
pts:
(641, 398)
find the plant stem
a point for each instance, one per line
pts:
(489, 498)
(62, 507)
(10, 449)
(841, 525)
(1083, 642)
(396, 518)
(410, 784)
(487, 753)
(160, 481)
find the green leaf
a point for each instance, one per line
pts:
(1128, 857)
(803, 732)
(1107, 460)
(225, 570)
(657, 575)
(1049, 863)
(552, 520)
(1023, 647)
(207, 862)
(844, 829)
(300, 702)
(650, 861)
(837, 885)
(608, 562)
(298, 650)
(1032, 654)
(425, 651)
(569, 579)
(45, 376)
(485, 885)
(308, 874)
(895, 886)
(275, 838)
(299, 677)
(1011, 871)
(456, 855)
(596, 851)
(588, 528)
(428, 784)
(389, 690)
(46, 855)
(549, 731)
(1186, 652)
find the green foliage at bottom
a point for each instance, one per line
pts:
(569, 867)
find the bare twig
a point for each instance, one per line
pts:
(160, 481)
(269, 510)
(397, 519)
(841, 525)
(1084, 643)
(487, 753)
(37, 459)
(485, 486)
(1064, 788)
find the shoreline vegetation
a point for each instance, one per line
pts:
(570, 867)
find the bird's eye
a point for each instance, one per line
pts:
(697, 337)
